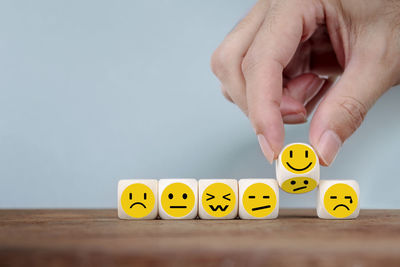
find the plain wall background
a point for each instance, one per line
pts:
(96, 91)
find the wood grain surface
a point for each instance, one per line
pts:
(99, 238)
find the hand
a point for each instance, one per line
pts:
(283, 59)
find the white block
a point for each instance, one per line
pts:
(258, 199)
(297, 168)
(178, 198)
(338, 199)
(137, 199)
(218, 198)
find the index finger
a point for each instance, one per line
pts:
(271, 51)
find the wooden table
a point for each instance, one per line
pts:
(99, 238)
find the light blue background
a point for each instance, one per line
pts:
(96, 91)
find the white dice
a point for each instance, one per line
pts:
(297, 168)
(258, 199)
(178, 198)
(218, 199)
(137, 199)
(252, 198)
(338, 199)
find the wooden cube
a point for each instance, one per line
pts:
(297, 168)
(137, 199)
(338, 199)
(258, 199)
(218, 199)
(178, 198)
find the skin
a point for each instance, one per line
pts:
(289, 57)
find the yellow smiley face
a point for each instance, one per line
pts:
(177, 199)
(259, 200)
(298, 158)
(299, 185)
(218, 199)
(137, 200)
(340, 200)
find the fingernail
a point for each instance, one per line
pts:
(294, 118)
(265, 148)
(329, 146)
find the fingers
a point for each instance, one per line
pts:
(296, 94)
(273, 47)
(292, 111)
(344, 107)
(250, 64)
(227, 59)
(226, 94)
(304, 87)
(312, 103)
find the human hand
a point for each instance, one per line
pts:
(282, 59)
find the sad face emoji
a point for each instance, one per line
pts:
(218, 200)
(137, 200)
(340, 200)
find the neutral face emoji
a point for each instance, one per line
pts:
(340, 200)
(259, 200)
(218, 199)
(299, 185)
(177, 199)
(298, 158)
(137, 200)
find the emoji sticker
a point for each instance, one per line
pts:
(298, 158)
(259, 200)
(137, 200)
(340, 200)
(299, 185)
(177, 200)
(218, 199)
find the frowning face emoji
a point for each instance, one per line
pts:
(218, 200)
(340, 200)
(137, 200)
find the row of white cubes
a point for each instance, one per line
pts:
(198, 187)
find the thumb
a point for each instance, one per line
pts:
(344, 107)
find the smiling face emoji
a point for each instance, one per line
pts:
(137, 200)
(259, 200)
(298, 158)
(218, 200)
(340, 200)
(177, 200)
